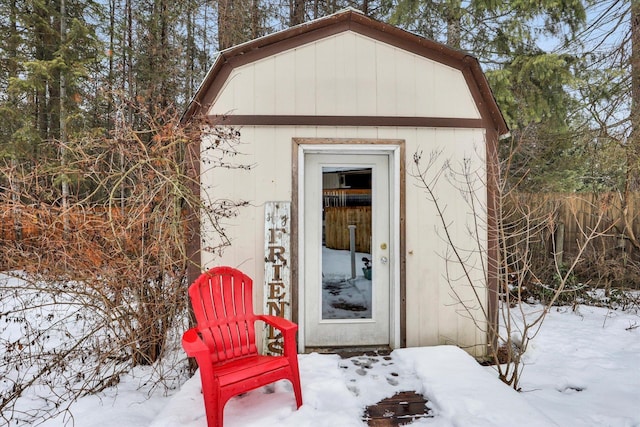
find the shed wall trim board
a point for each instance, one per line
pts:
(279, 120)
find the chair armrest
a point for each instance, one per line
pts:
(277, 322)
(193, 344)
(288, 329)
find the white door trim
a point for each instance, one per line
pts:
(394, 152)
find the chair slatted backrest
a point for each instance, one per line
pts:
(223, 306)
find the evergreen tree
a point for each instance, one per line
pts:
(528, 81)
(243, 20)
(531, 85)
(50, 61)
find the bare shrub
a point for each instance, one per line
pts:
(518, 227)
(102, 283)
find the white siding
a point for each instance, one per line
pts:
(346, 74)
(433, 314)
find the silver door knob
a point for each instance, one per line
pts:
(383, 259)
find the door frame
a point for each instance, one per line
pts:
(395, 149)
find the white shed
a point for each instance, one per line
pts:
(331, 113)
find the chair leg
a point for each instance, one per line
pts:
(220, 414)
(297, 390)
(213, 409)
(295, 379)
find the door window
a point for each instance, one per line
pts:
(346, 243)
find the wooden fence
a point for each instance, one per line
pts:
(567, 218)
(346, 197)
(344, 207)
(337, 221)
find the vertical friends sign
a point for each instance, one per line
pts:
(277, 270)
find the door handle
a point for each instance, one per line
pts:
(384, 259)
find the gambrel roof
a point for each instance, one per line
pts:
(348, 20)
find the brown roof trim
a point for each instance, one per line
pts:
(493, 244)
(347, 20)
(298, 120)
(483, 96)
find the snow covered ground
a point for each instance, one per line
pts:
(344, 297)
(583, 369)
(336, 392)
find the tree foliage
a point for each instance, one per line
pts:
(506, 36)
(532, 84)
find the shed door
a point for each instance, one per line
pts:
(347, 267)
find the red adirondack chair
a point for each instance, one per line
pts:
(224, 341)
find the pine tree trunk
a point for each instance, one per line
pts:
(111, 77)
(63, 126)
(633, 144)
(635, 89)
(454, 25)
(191, 52)
(224, 24)
(297, 12)
(41, 123)
(163, 75)
(13, 74)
